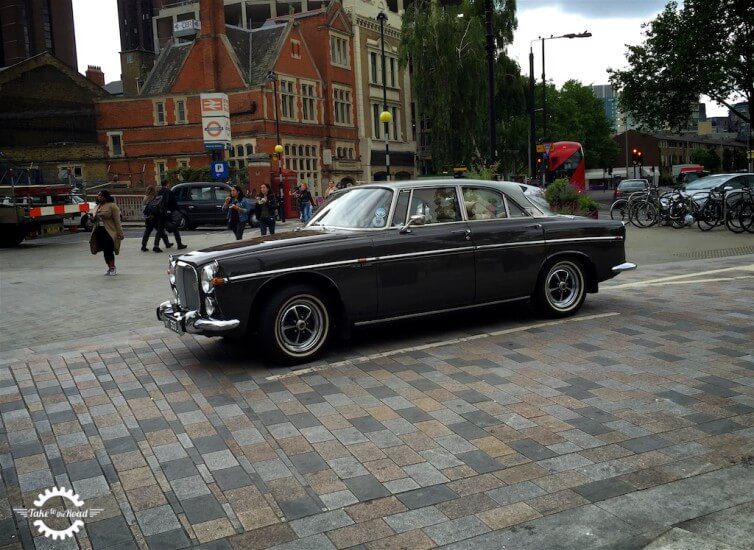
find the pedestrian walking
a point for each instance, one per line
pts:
(172, 216)
(108, 231)
(238, 208)
(266, 205)
(153, 210)
(306, 201)
(331, 188)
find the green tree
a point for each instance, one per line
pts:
(707, 158)
(705, 47)
(447, 56)
(575, 114)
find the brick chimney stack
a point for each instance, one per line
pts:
(212, 16)
(95, 74)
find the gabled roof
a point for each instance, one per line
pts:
(257, 49)
(166, 69)
(46, 58)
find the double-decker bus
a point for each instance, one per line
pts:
(566, 160)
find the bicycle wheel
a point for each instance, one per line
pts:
(619, 210)
(746, 216)
(733, 220)
(644, 214)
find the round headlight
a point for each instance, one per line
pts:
(209, 306)
(208, 273)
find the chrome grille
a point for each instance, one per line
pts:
(187, 286)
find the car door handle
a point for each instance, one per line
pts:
(466, 232)
(191, 206)
(219, 206)
(535, 226)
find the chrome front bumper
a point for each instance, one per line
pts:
(190, 321)
(628, 266)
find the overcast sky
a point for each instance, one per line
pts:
(613, 24)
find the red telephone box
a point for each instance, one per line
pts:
(290, 182)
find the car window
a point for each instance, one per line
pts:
(365, 208)
(401, 208)
(437, 204)
(200, 193)
(220, 193)
(483, 204)
(514, 210)
(708, 182)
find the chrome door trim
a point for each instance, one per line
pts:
(584, 239)
(510, 245)
(437, 311)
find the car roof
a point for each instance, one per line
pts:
(198, 183)
(508, 187)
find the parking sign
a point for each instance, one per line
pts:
(220, 170)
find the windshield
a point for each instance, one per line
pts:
(709, 182)
(541, 203)
(367, 208)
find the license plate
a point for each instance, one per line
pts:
(173, 325)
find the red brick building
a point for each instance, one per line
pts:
(161, 129)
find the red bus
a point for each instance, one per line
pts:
(566, 160)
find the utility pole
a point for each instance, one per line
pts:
(385, 117)
(532, 118)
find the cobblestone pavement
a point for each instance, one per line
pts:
(486, 431)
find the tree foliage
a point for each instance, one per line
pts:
(705, 47)
(577, 115)
(707, 158)
(447, 55)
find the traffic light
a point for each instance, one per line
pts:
(634, 155)
(640, 157)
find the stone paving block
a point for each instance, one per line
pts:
(515, 493)
(110, 533)
(425, 474)
(415, 519)
(603, 489)
(338, 499)
(320, 523)
(360, 533)
(505, 516)
(347, 467)
(189, 487)
(426, 496)
(157, 520)
(456, 530)
(366, 487)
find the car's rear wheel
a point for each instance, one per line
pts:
(295, 324)
(561, 288)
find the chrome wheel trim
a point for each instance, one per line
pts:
(301, 325)
(563, 286)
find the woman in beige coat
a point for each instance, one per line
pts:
(108, 231)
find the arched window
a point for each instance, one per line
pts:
(249, 149)
(239, 151)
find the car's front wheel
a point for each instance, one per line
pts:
(561, 289)
(295, 324)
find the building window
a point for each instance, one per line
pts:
(180, 111)
(239, 152)
(288, 98)
(304, 160)
(159, 113)
(160, 170)
(395, 123)
(295, 49)
(339, 51)
(308, 103)
(373, 67)
(376, 120)
(115, 143)
(343, 105)
(393, 71)
(184, 163)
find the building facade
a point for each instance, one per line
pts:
(606, 94)
(365, 97)
(31, 27)
(162, 128)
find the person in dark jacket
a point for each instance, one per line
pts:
(238, 208)
(306, 201)
(152, 222)
(266, 205)
(170, 218)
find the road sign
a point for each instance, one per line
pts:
(220, 170)
(216, 121)
(540, 148)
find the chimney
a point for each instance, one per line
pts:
(95, 74)
(212, 17)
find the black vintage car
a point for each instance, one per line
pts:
(381, 252)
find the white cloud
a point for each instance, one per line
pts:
(98, 36)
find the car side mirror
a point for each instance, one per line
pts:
(727, 188)
(417, 219)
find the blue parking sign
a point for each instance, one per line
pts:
(220, 170)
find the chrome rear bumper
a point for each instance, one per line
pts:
(192, 322)
(627, 266)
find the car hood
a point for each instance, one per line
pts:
(256, 245)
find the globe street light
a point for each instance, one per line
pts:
(385, 116)
(272, 77)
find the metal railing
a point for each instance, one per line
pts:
(130, 206)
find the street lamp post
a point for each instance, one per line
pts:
(385, 116)
(272, 77)
(532, 144)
